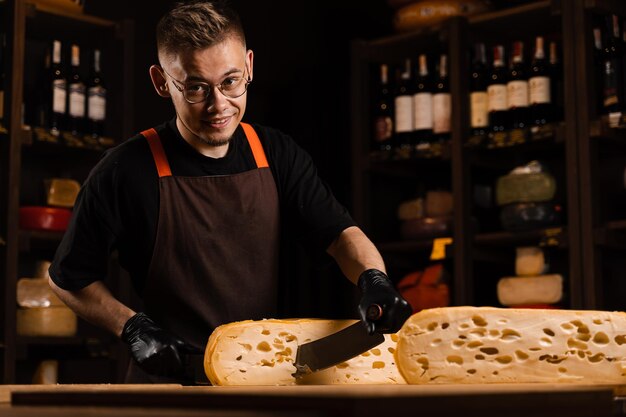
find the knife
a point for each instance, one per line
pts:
(338, 347)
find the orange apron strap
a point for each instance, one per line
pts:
(163, 167)
(255, 144)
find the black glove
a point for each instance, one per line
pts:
(381, 306)
(155, 350)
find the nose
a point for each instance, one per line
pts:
(216, 100)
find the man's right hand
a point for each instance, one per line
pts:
(155, 350)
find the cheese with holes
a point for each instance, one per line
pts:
(486, 344)
(542, 289)
(263, 352)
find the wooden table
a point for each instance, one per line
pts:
(484, 400)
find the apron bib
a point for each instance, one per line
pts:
(215, 257)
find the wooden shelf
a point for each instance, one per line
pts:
(553, 237)
(38, 140)
(33, 10)
(539, 7)
(74, 347)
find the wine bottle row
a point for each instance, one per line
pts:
(506, 102)
(509, 102)
(70, 104)
(412, 115)
(609, 40)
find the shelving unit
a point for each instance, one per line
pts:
(27, 156)
(581, 151)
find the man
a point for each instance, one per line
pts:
(195, 208)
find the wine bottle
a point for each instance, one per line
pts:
(556, 84)
(539, 86)
(517, 89)
(423, 107)
(496, 93)
(403, 104)
(612, 62)
(77, 99)
(479, 120)
(442, 106)
(58, 93)
(598, 53)
(96, 99)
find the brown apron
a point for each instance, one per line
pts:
(215, 257)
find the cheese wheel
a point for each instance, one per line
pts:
(530, 261)
(46, 321)
(263, 352)
(542, 289)
(423, 13)
(486, 344)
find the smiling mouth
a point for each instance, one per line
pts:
(221, 122)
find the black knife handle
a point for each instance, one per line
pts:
(374, 312)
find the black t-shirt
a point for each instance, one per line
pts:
(118, 205)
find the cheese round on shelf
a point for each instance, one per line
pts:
(530, 261)
(497, 345)
(525, 188)
(263, 352)
(542, 289)
(424, 13)
(46, 321)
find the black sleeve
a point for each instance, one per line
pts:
(83, 254)
(312, 212)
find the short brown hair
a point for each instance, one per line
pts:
(197, 25)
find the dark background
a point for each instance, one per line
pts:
(301, 86)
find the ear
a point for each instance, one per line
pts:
(249, 62)
(158, 81)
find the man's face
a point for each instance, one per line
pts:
(213, 121)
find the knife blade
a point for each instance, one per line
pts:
(335, 348)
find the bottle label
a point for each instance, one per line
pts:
(478, 109)
(77, 100)
(496, 95)
(383, 129)
(441, 113)
(539, 90)
(59, 94)
(404, 114)
(96, 103)
(423, 111)
(517, 94)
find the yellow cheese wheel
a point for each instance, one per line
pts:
(263, 352)
(46, 321)
(426, 13)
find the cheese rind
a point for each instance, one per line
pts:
(263, 352)
(495, 345)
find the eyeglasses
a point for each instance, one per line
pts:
(198, 91)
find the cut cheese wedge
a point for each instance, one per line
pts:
(485, 344)
(263, 352)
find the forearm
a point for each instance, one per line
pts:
(354, 252)
(97, 305)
